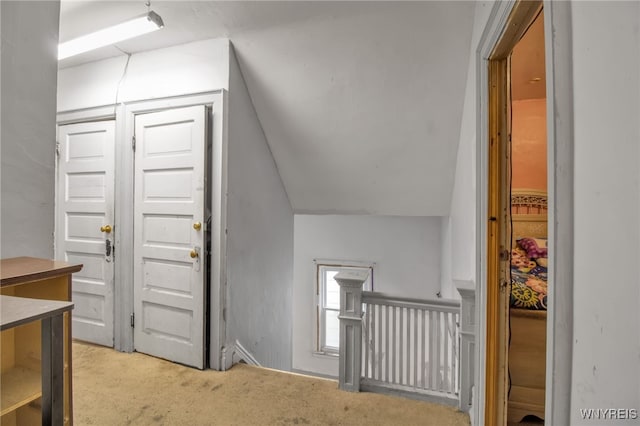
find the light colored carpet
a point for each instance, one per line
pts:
(114, 388)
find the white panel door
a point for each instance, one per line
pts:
(169, 234)
(84, 215)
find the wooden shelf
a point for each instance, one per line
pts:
(20, 386)
(35, 281)
(27, 415)
(30, 414)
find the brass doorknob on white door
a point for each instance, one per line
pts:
(197, 226)
(193, 253)
(105, 228)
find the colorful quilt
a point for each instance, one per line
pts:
(529, 274)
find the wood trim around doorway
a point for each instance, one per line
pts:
(497, 302)
(496, 361)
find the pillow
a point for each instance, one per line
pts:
(521, 261)
(535, 247)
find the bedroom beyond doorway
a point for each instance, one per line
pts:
(517, 225)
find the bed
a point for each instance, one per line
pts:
(528, 315)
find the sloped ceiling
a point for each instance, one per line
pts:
(361, 102)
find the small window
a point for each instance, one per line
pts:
(328, 304)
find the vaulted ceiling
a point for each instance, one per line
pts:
(361, 102)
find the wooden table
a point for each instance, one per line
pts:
(17, 311)
(21, 361)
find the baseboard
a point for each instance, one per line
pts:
(240, 353)
(226, 357)
(472, 413)
(314, 374)
(422, 396)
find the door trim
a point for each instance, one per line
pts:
(497, 239)
(59, 228)
(560, 166)
(559, 74)
(184, 301)
(497, 303)
(124, 114)
(216, 101)
(489, 39)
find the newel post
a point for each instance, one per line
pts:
(351, 283)
(467, 346)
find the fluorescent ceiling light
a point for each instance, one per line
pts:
(133, 28)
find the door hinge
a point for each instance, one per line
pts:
(133, 143)
(505, 255)
(503, 284)
(58, 148)
(133, 320)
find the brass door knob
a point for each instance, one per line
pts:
(197, 226)
(106, 228)
(193, 254)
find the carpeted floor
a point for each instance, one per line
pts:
(114, 388)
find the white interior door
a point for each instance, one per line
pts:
(169, 234)
(84, 224)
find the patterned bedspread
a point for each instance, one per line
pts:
(529, 274)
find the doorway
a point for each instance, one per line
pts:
(170, 244)
(517, 223)
(85, 216)
(142, 233)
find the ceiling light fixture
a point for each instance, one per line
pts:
(135, 27)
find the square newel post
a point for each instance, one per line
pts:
(351, 283)
(467, 343)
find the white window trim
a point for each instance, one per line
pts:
(320, 348)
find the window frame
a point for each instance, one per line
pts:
(322, 266)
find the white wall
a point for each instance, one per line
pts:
(605, 364)
(378, 86)
(606, 68)
(406, 252)
(29, 71)
(188, 68)
(463, 200)
(447, 289)
(259, 239)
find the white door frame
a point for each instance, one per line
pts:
(124, 115)
(559, 76)
(61, 245)
(71, 117)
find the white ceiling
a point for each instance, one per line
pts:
(361, 102)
